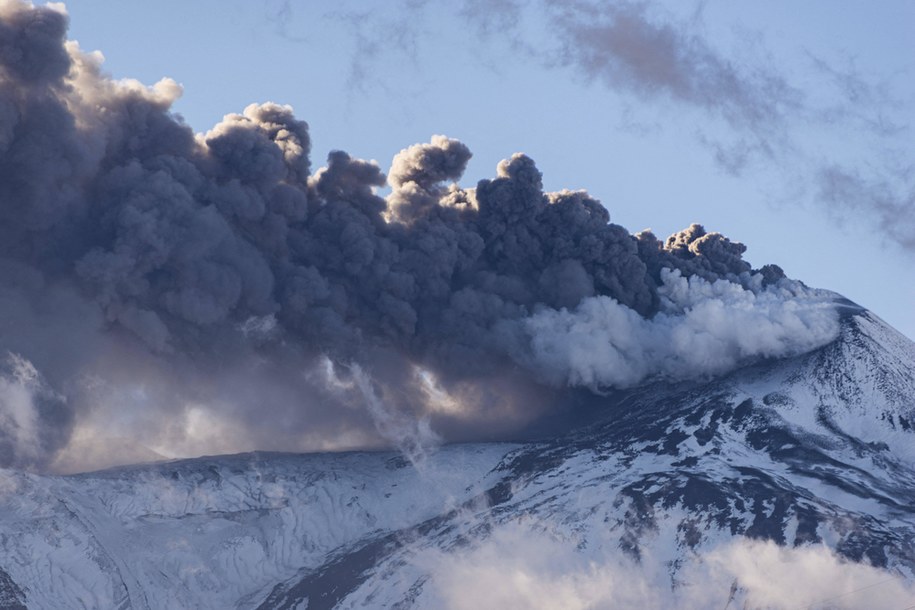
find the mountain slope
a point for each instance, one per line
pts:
(817, 449)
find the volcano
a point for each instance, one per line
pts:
(810, 452)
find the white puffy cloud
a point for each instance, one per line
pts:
(703, 328)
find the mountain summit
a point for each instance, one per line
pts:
(672, 486)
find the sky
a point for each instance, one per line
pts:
(784, 126)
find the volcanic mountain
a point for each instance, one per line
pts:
(810, 452)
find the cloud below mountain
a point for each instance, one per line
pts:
(526, 566)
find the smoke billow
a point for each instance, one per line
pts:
(213, 292)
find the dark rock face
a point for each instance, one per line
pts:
(11, 596)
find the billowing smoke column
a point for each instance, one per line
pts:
(210, 292)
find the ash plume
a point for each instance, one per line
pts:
(210, 292)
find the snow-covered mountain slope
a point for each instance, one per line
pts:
(215, 532)
(814, 450)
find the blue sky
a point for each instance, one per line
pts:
(785, 126)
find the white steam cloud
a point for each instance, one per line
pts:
(412, 436)
(704, 328)
(23, 394)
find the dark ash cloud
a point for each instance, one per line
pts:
(212, 293)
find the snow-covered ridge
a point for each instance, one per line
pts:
(211, 531)
(812, 452)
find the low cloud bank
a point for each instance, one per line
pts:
(520, 567)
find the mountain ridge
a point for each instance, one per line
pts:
(809, 451)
